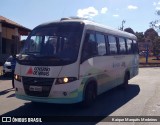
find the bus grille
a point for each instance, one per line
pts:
(45, 83)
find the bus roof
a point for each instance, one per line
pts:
(92, 25)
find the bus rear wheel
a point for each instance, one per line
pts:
(89, 95)
(126, 78)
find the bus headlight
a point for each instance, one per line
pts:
(65, 80)
(17, 77)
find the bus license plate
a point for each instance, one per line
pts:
(35, 88)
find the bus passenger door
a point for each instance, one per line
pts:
(93, 62)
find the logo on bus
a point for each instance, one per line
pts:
(38, 71)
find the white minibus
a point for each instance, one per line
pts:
(73, 60)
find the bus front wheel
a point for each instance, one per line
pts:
(89, 95)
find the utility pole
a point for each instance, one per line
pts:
(123, 21)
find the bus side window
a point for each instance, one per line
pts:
(122, 46)
(89, 47)
(129, 46)
(135, 47)
(112, 45)
(101, 44)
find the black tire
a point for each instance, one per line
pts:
(89, 95)
(125, 83)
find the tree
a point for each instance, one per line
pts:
(155, 24)
(140, 37)
(150, 33)
(129, 30)
(152, 36)
(157, 45)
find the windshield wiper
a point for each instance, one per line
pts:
(33, 54)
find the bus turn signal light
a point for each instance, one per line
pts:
(17, 77)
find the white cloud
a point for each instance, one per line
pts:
(158, 3)
(104, 10)
(115, 15)
(154, 3)
(157, 8)
(158, 24)
(131, 7)
(89, 12)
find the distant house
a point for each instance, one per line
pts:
(10, 34)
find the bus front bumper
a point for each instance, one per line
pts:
(51, 100)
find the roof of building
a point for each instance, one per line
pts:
(11, 24)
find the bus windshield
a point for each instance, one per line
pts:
(57, 40)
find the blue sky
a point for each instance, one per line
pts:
(30, 13)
